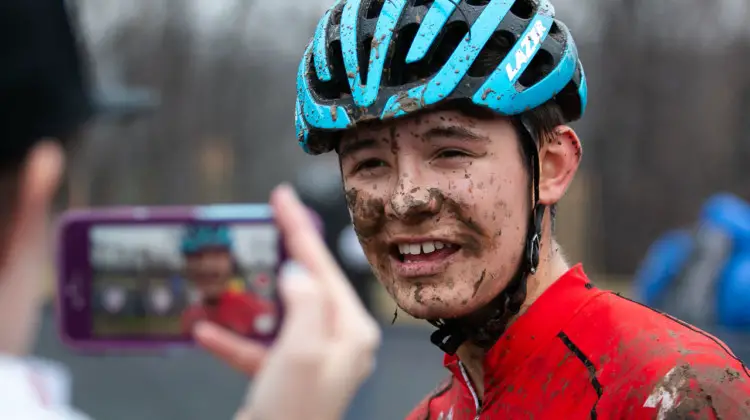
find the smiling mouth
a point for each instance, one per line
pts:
(423, 251)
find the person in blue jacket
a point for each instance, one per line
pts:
(702, 274)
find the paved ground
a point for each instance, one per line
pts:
(190, 385)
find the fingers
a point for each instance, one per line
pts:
(242, 354)
(243, 414)
(304, 242)
(305, 245)
(353, 323)
(350, 361)
(305, 305)
(358, 346)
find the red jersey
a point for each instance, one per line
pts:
(583, 353)
(238, 312)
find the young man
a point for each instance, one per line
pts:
(43, 102)
(211, 268)
(450, 121)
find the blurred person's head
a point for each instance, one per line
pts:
(209, 263)
(453, 146)
(43, 103)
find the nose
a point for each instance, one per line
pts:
(413, 203)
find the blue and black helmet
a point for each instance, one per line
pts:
(200, 237)
(382, 59)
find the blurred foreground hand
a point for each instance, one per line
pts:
(326, 346)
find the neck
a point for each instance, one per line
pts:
(551, 268)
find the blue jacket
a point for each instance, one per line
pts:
(702, 274)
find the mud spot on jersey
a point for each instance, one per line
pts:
(678, 396)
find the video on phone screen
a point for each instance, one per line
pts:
(157, 281)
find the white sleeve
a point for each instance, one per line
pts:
(34, 391)
(31, 412)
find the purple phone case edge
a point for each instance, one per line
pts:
(135, 346)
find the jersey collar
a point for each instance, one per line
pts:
(541, 323)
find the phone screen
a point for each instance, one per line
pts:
(151, 281)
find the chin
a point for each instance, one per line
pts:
(433, 303)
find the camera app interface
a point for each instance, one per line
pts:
(158, 281)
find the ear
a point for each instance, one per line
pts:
(39, 181)
(559, 158)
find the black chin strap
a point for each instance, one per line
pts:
(486, 325)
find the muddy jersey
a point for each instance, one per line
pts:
(584, 353)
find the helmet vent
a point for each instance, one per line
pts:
(363, 55)
(374, 8)
(569, 101)
(541, 65)
(524, 9)
(556, 33)
(492, 54)
(336, 15)
(338, 87)
(427, 3)
(399, 72)
(477, 2)
(444, 47)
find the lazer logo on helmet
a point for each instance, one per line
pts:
(527, 49)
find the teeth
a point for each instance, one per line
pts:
(423, 248)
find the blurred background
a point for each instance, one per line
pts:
(197, 99)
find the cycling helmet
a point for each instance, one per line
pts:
(197, 238)
(377, 60)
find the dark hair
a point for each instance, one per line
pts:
(43, 88)
(543, 120)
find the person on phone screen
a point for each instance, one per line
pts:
(451, 129)
(44, 103)
(213, 271)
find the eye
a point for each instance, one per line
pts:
(450, 154)
(369, 165)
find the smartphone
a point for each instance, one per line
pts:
(141, 277)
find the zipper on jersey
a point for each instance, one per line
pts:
(467, 380)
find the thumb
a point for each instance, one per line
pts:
(240, 353)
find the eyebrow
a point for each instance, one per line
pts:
(453, 132)
(450, 132)
(353, 146)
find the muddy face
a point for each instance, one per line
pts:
(440, 205)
